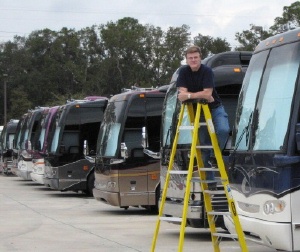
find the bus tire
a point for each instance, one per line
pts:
(154, 209)
(90, 184)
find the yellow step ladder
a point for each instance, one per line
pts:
(195, 153)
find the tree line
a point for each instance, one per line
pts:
(48, 67)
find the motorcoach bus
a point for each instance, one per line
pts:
(41, 141)
(21, 127)
(7, 137)
(229, 70)
(264, 170)
(28, 134)
(69, 163)
(125, 176)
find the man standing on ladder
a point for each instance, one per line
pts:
(196, 81)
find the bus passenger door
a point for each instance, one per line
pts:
(133, 174)
(154, 114)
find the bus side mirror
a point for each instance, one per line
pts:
(298, 136)
(124, 151)
(85, 148)
(152, 154)
(144, 138)
(28, 145)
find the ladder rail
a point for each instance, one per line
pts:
(168, 175)
(225, 181)
(206, 197)
(195, 121)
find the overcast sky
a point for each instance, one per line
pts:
(216, 18)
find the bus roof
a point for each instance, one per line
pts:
(279, 39)
(133, 92)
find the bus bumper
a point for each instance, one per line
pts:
(25, 174)
(272, 234)
(111, 198)
(24, 169)
(38, 178)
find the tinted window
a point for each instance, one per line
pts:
(227, 59)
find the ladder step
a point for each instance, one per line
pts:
(186, 127)
(219, 213)
(199, 147)
(208, 181)
(191, 127)
(233, 236)
(214, 192)
(204, 147)
(179, 172)
(219, 201)
(209, 169)
(170, 219)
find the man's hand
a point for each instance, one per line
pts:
(183, 95)
(211, 99)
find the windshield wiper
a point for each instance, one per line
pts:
(246, 131)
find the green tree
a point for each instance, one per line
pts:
(20, 103)
(93, 56)
(176, 41)
(48, 67)
(57, 63)
(290, 18)
(210, 45)
(14, 62)
(140, 55)
(162, 53)
(249, 39)
(122, 41)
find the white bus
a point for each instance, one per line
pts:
(264, 170)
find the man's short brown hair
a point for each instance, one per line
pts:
(193, 49)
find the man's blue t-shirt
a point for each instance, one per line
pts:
(197, 81)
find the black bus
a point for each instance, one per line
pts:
(229, 70)
(6, 141)
(69, 163)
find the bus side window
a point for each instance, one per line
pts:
(133, 140)
(154, 111)
(70, 141)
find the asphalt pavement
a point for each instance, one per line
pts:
(36, 218)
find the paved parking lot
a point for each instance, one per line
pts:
(35, 218)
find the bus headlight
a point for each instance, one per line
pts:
(274, 206)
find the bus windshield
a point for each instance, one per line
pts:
(110, 129)
(173, 106)
(272, 106)
(171, 101)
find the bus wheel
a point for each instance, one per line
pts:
(154, 209)
(90, 184)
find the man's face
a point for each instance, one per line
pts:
(193, 60)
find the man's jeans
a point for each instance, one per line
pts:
(221, 124)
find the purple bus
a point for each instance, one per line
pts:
(29, 131)
(41, 142)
